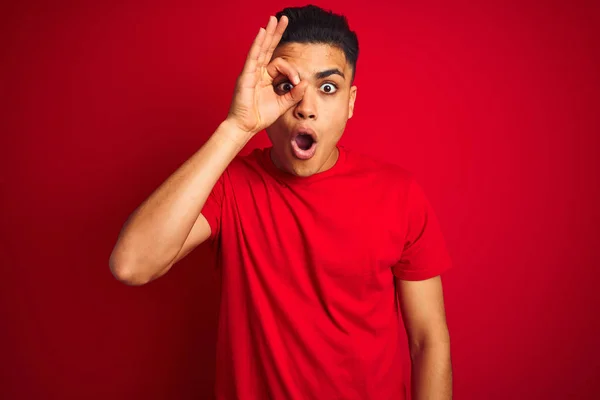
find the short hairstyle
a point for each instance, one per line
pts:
(312, 24)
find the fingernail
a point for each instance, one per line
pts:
(296, 80)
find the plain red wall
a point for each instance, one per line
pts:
(494, 106)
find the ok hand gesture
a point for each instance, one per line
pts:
(256, 104)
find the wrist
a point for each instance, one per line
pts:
(231, 131)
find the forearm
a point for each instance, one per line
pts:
(158, 228)
(431, 377)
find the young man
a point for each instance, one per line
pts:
(316, 242)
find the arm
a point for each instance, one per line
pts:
(169, 224)
(422, 306)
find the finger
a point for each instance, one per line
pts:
(281, 67)
(252, 59)
(294, 96)
(267, 42)
(281, 26)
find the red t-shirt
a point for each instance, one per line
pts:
(309, 307)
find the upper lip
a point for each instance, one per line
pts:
(305, 130)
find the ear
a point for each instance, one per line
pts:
(351, 101)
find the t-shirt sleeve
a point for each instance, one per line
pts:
(425, 254)
(212, 209)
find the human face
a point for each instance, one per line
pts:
(327, 105)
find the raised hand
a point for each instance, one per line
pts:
(256, 104)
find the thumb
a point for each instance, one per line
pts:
(294, 96)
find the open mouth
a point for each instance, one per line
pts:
(304, 141)
(304, 145)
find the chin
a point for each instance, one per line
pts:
(302, 168)
(294, 166)
(303, 172)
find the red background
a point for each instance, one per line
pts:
(494, 106)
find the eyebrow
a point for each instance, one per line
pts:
(329, 72)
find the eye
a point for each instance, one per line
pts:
(328, 88)
(284, 87)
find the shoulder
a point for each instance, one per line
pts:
(246, 164)
(392, 173)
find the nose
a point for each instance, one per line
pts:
(307, 107)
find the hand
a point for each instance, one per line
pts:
(256, 105)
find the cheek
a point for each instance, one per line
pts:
(275, 130)
(338, 111)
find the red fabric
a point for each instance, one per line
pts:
(309, 308)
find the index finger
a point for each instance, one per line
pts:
(281, 26)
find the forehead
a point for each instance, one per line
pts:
(312, 57)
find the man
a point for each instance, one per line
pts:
(316, 243)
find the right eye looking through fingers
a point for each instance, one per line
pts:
(283, 87)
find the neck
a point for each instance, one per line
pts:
(331, 160)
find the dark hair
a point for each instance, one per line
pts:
(312, 24)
